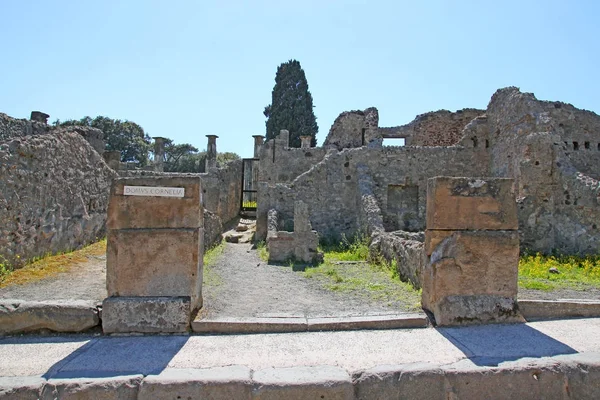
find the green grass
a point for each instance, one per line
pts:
(346, 269)
(263, 253)
(210, 277)
(576, 272)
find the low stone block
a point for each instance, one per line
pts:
(232, 382)
(111, 388)
(471, 203)
(60, 316)
(134, 212)
(322, 382)
(473, 273)
(409, 381)
(21, 387)
(155, 262)
(548, 309)
(146, 314)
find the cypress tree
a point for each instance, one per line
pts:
(291, 105)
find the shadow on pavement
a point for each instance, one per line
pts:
(490, 345)
(114, 356)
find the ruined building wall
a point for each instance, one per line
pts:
(330, 187)
(353, 129)
(280, 163)
(557, 188)
(437, 128)
(53, 191)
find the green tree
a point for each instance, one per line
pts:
(125, 136)
(291, 105)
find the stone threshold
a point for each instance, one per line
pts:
(567, 376)
(536, 310)
(308, 324)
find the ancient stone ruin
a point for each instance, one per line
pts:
(532, 165)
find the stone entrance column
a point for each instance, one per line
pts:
(154, 254)
(258, 143)
(159, 153)
(211, 152)
(305, 142)
(472, 251)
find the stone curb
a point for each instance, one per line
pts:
(574, 376)
(301, 324)
(18, 316)
(557, 309)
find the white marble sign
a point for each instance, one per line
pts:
(153, 191)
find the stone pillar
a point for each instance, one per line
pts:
(113, 159)
(211, 152)
(155, 245)
(305, 142)
(159, 154)
(284, 136)
(472, 251)
(258, 143)
(39, 116)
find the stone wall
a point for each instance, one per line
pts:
(330, 187)
(534, 143)
(353, 129)
(14, 128)
(53, 191)
(437, 128)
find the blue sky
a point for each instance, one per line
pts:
(184, 69)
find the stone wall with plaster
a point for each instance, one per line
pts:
(53, 191)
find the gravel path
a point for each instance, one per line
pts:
(84, 281)
(249, 287)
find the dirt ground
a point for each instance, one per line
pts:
(240, 284)
(82, 281)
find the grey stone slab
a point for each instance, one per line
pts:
(36, 355)
(146, 314)
(18, 316)
(320, 382)
(116, 356)
(232, 382)
(580, 334)
(493, 344)
(548, 309)
(408, 381)
(417, 320)
(21, 387)
(113, 388)
(249, 325)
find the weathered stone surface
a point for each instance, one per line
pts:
(322, 382)
(155, 262)
(549, 309)
(472, 278)
(353, 129)
(53, 190)
(408, 381)
(213, 229)
(471, 203)
(407, 254)
(146, 314)
(21, 387)
(233, 382)
(60, 316)
(111, 388)
(133, 212)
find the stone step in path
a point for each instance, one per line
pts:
(551, 359)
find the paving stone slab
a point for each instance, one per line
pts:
(18, 316)
(110, 388)
(232, 382)
(556, 309)
(320, 382)
(21, 387)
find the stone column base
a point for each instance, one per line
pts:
(146, 314)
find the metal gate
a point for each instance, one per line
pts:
(249, 184)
